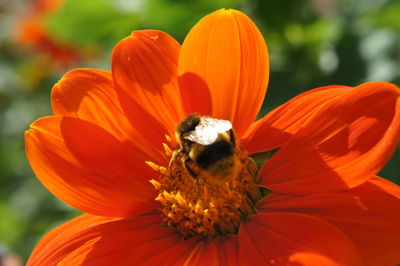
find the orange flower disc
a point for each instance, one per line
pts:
(197, 202)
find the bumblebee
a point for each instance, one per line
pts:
(207, 148)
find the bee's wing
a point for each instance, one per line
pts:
(206, 132)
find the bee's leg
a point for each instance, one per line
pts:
(232, 136)
(190, 170)
(173, 157)
(197, 188)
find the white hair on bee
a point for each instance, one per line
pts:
(206, 132)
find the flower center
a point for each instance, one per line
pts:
(210, 184)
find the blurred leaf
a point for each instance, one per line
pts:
(389, 15)
(10, 226)
(91, 22)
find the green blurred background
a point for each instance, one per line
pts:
(311, 44)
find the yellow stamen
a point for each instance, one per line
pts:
(155, 183)
(171, 142)
(153, 166)
(167, 150)
(180, 199)
(163, 170)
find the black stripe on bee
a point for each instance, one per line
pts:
(214, 152)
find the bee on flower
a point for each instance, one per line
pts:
(159, 154)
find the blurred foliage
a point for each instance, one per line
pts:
(311, 44)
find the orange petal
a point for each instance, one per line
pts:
(94, 240)
(276, 128)
(228, 250)
(368, 214)
(205, 252)
(144, 69)
(219, 252)
(345, 143)
(226, 55)
(89, 94)
(289, 238)
(88, 168)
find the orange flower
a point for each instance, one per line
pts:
(316, 201)
(32, 32)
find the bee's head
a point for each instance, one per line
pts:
(188, 125)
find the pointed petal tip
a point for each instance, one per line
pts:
(27, 134)
(382, 84)
(144, 75)
(226, 10)
(34, 124)
(140, 33)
